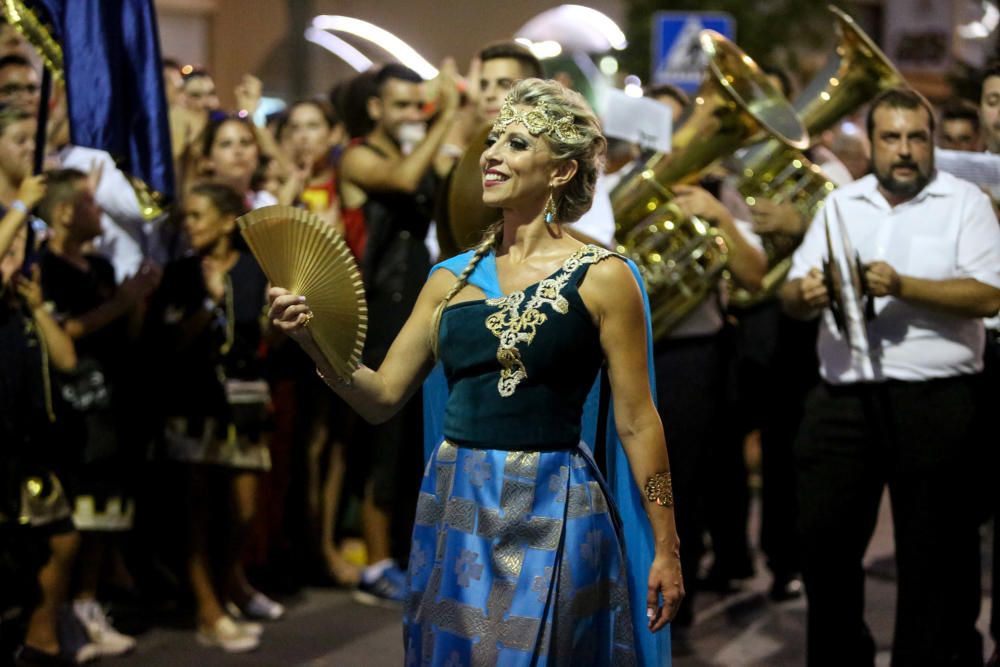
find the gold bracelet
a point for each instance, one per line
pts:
(335, 381)
(660, 489)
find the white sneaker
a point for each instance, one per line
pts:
(101, 633)
(262, 607)
(253, 627)
(227, 635)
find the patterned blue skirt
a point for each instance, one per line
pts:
(517, 559)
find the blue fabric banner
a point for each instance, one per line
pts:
(114, 83)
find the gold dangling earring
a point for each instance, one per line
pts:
(550, 210)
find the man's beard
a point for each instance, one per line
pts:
(904, 189)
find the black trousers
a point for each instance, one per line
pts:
(690, 382)
(991, 379)
(791, 374)
(919, 438)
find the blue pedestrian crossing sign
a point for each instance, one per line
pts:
(677, 56)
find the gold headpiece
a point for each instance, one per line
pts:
(540, 118)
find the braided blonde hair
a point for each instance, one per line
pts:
(490, 240)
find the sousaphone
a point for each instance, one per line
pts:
(855, 73)
(682, 258)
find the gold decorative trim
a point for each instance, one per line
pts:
(26, 22)
(512, 326)
(540, 118)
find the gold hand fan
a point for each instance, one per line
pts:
(303, 254)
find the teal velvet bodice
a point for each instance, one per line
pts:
(520, 366)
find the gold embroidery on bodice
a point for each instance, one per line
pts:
(512, 326)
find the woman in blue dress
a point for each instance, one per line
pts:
(519, 556)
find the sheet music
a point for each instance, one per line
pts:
(983, 169)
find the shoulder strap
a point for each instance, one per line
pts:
(453, 264)
(372, 147)
(484, 276)
(582, 259)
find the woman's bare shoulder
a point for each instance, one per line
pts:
(438, 284)
(610, 283)
(611, 271)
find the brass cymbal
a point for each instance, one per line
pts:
(468, 217)
(446, 242)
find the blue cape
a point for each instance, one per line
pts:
(653, 650)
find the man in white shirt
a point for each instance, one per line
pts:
(898, 404)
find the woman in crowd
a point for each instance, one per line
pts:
(17, 150)
(311, 133)
(206, 327)
(32, 343)
(230, 155)
(311, 136)
(512, 525)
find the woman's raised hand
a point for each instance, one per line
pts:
(289, 313)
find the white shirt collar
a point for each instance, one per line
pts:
(940, 185)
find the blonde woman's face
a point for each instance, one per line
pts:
(517, 168)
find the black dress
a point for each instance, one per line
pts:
(212, 394)
(94, 403)
(394, 269)
(30, 494)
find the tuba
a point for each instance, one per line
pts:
(773, 170)
(681, 258)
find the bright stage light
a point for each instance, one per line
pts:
(384, 39)
(984, 26)
(609, 65)
(576, 28)
(546, 49)
(602, 23)
(339, 48)
(633, 86)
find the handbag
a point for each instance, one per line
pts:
(248, 401)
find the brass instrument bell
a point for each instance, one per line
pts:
(682, 258)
